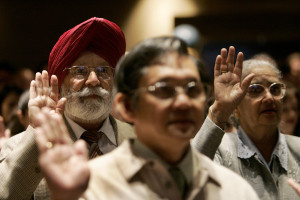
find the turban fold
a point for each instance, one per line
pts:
(98, 35)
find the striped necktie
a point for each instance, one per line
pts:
(92, 139)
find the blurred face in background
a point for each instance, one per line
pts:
(290, 116)
(9, 105)
(294, 64)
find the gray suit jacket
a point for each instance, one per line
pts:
(20, 174)
(269, 184)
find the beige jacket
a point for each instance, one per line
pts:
(20, 175)
(122, 174)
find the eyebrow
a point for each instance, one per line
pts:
(169, 79)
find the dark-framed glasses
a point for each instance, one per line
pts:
(165, 90)
(82, 72)
(277, 90)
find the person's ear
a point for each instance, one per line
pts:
(123, 107)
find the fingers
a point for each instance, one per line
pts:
(54, 92)
(239, 64)
(218, 66)
(230, 59)
(62, 131)
(32, 90)
(294, 185)
(61, 105)
(38, 84)
(223, 67)
(7, 133)
(81, 149)
(45, 82)
(225, 63)
(41, 83)
(246, 82)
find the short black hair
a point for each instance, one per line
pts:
(148, 52)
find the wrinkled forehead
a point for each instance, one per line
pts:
(264, 73)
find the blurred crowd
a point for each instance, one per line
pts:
(165, 125)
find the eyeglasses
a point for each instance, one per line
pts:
(276, 89)
(82, 72)
(164, 90)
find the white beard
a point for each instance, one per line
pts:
(87, 110)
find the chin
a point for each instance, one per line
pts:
(183, 133)
(89, 113)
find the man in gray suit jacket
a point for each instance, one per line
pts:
(81, 70)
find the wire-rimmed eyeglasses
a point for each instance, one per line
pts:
(277, 90)
(82, 72)
(165, 90)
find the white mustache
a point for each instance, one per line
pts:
(99, 91)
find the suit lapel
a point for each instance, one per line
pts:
(71, 132)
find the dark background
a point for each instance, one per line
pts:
(29, 29)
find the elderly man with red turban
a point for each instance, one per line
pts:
(81, 66)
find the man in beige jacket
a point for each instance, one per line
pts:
(81, 67)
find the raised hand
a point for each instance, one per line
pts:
(43, 96)
(63, 164)
(229, 87)
(4, 133)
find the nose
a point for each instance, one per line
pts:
(92, 79)
(268, 96)
(181, 100)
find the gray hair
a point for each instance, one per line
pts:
(249, 64)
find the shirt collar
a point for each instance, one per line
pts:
(198, 167)
(78, 130)
(106, 128)
(247, 149)
(281, 151)
(185, 165)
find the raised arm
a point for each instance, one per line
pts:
(63, 164)
(229, 90)
(19, 170)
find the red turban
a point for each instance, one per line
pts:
(98, 35)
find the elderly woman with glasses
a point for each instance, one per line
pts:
(257, 151)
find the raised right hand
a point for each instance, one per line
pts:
(43, 96)
(229, 87)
